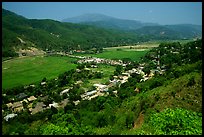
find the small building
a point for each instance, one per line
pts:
(100, 86)
(9, 105)
(64, 91)
(24, 100)
(115, 92)
(137, 90)
(54, 105)
(78, 70)
(40, 106)
(78, 82)
(76, 102)
(7, 117)
(32, 86)
(17, 106)
(87, 69)
(43, 83)
(31, 98)
(94, 96)
(63, 103)
(91, 93)
(126, 74)
(21, 96)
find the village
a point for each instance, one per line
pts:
(100, 89)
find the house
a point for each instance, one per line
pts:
(100, 86)
(54, 105)
(17, 106)
(7, 117)
(126, 74)
(94, 66)
(25, 100)
(31, 98)
(63, 103)
(137, 90)
(40, 106)
(21, 96)
(44, 98)
(91, 92)
(87, 94)
(76, 102)
(43, 83)
(9, 105)
(87, 69)
(64, 91)
(32, 85)
(78, 70)
(96, 95)
(115, 92)
(144, 79)
(30, 105)
(78, 82)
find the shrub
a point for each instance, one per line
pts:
(176, 122)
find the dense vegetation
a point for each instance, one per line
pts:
(169, 103)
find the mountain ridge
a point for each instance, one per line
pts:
(134, 25)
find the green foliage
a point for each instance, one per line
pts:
(191, 81)
(177, 122)
(52, 129)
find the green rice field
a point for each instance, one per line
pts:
(27, 70)
(119, 54)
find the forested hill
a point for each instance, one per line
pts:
(48, 34)
(152, 30)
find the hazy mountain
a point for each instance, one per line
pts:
(179, 31)
(104, 21)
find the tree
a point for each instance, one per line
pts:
(44, 80)
(52, 129)
(118, 70)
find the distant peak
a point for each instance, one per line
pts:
(88, 17)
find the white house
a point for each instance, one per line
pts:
(9, 116)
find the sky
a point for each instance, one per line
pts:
(164, 13)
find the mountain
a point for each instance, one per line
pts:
(101, 31)
(104, 21)
(153, 30)
(48, 34)
(180, 31)
(187, 30)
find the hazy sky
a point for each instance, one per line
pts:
(158, 12)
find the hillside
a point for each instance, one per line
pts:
(151, 30)
(105, 21)
(53, 35)
(89, 31)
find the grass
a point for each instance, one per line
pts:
(119, 54)
(27, 70)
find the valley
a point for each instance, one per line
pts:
(98, 75)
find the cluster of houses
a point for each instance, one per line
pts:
(100, 89)
(100, 61)
(19, 106)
